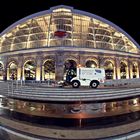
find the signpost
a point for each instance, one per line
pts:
(60, 34)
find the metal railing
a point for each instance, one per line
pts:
(8, 87)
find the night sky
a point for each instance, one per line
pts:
(124, 13)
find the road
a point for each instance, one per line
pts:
(34, 92)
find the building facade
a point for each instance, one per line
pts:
(45, 45)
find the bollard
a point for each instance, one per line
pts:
(12, 87)
(17, 84)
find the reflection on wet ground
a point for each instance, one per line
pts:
(78, 114)
(4, 135)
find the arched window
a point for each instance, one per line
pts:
(123, 71)
(134, 70)
(13, 71)
(49, 70)
(30, 70)
(91, 64)
(109, 70)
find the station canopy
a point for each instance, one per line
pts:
(65, 26)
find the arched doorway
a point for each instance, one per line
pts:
(1, 71)
(123, 70)
(49, 70)
(13, 71)
(69, 69)
(91, 64)
(134, 70)
(30, 70)
(109, 70)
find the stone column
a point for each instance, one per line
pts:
(82, 62)
(23, 74)
(59, 66)
(101, 61)
(8, 75)
(127, 71)
(5, 68)
(38, 73)
(114, 72)
(38, 68)
(131, 71)
(59, 72)
(117, 68)
(19, 69)
(137, 70)
(43, 73)
(81, 59)
(4, 73)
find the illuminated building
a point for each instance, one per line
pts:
(44, 45)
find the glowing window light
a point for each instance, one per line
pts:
(117, 34)
(22, 26)
(61, 10)
(93, 66)
(9, 34)
(79, 66)
(104, 25)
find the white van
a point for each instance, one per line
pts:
(88, 77)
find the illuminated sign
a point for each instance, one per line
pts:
(60, 34)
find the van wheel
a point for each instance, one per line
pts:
(75, 84)
(94, 84)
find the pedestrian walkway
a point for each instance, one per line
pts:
(123, 131)
(31, 92)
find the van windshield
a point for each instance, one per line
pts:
(98, 71)
(71, 73)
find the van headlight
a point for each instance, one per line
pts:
(60, 82)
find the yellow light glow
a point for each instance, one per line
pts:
(104, 25)
(117, 34)
(79, 65)
(9, 34)
(93, 66)
(135, 102)
(22, 26)
(61, 10)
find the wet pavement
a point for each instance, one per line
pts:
(23, 119)
(44, 133)
(76, 115)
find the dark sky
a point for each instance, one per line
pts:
(124, 13)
